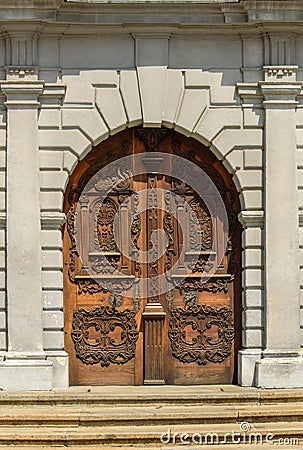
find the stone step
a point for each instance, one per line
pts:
(124, 417)
(137, 395)
(108, 437)
(63, 416)
(159, 447)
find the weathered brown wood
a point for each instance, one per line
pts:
(154, 316)
(159, 355)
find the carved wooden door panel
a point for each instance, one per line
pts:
(190, 333)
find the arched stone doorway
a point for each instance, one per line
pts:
(188, 335)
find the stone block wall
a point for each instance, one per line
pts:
(166, 86)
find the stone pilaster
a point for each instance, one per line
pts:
(281, 364)
(252, 242)
(25, 365)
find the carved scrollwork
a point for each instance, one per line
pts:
(71, 215)
(104, 335)
(169, 230)
(90, 286)
(109, 177)
(229, 199)
(226, 193)
(110, 180)
(213, 285)
(201, 266)
(190, 298)
(136, 229)
(201, 334)
(169, 298)
(105, 265)
(115, 300)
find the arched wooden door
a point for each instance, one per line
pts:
(188, 335)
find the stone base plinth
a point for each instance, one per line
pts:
(279, 373)
(60, 368)
(26, 375)
(247, 359)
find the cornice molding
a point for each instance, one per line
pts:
(54, 90)
(278, 87)
(204, 12)
(249, 91)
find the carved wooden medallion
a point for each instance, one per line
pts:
(104, 335)
(201, 334)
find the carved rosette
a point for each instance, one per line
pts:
(104, 335)
(201, 334)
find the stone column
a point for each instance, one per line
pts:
(25, 365)
(281, 366)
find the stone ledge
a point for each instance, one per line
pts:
(251, 218)
(51, 220)
(2, 220)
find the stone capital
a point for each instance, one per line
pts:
(22, 94)
(280, 94)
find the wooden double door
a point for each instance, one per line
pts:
(188, 334)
